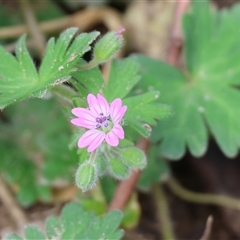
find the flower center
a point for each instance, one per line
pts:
(104, 122)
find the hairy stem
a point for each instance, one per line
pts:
(202, 198)
(64, 94)
(93, 156)
(163, 212)
(126, 187)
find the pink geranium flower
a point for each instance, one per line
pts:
(102, 119)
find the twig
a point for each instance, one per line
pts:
(163, 212)
(202, 198)
(176, 36)
(125, 188)
(208, 229)
(83, 19)
(11, 205)
(32, 25)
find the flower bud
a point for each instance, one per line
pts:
(86, 176)
(108, 46)
(118, 169)
(134, 158)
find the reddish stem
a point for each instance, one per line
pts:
(176, 40)
(126, 187)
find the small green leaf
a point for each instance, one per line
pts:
(107, 47)
(125, 143)
(75, 221)
(134, 158)
(97, 206)
(12, 236)
(139, 127)
(33, 233)
(143, 110)
(105, 227)
(123, 76)
(53, 227)
(86, 176)
(88, 81)
(118, 169)
(110, 223)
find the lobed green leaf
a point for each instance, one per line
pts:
(204, 97)
(19, 78)
(76, 223)
(123, 77)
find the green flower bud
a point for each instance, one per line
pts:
(86, 176)
(134, 158)
(108, 46)
(118, 169)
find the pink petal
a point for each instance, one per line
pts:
(96, 142)
(86, 118)
(83, 123)
(80, 111)
(112, 138)
(92, 138)
(117, 110)
(98, 105)
(115, 106)
(103, 104)
(120, 114)
(118, 131)
(93, 105)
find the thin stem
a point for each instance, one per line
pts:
(163, 212)
(64, 94)
(202, 198)
(176, 39)
(33, 27)
(93, 156)
(89, 65)
(126, 187)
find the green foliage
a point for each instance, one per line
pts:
(86, 176)
(155, 170)
(134, 158)
(141, 110)
(204, 96)
(86, 81)
(35, 141)
(33, 233)
(76, 223)
(123, 76)
(19, 78)
(118, 169)
(107, 47)
(114, 161)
